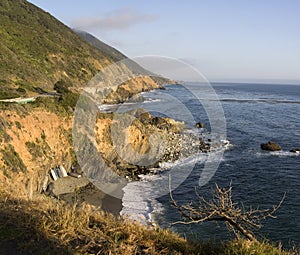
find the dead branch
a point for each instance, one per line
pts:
(220, 207)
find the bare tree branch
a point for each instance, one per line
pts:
(220, 207)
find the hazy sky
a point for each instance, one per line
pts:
(224, 39)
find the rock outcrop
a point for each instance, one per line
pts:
(128, 91)
(144, 143)
(270, 146)
(200, 125)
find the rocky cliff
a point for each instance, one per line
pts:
(32, 141)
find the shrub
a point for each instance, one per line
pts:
(34, 149)
(18, 125)
(43, 135)
(8, 94)
(61, 87)
(3, 135)
(21, 90)
(12, 159)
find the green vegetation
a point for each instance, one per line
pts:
(61, 87)
(39, 148)
(18, 125)
(37, 50)
(69, 101)
(12, 159)
(43, 136)
(108, 50)
(62, 106)
(21, 90)
(4, 137)
(7, 93)
(34, 149)
(52, 104)
(21, 110)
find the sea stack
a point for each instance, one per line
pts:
(270, 146)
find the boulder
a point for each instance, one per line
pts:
(200, 125)
(136, 99)
(145, 118)
(296, 150)
(161, 123)
(270, 146)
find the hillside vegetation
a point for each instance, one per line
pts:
(36, 51)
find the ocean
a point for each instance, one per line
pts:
(254, 114)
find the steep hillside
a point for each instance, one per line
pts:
(39, 54)
(37, 51)
(105, 48)
(32, 141)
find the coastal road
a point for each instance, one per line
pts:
(24, 100)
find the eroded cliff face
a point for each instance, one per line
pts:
(38, 136)
(31, 142)
(127, 91)
(133, 144)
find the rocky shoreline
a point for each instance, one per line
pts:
(169, 137)
(180, 143)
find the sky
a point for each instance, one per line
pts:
(226, 40)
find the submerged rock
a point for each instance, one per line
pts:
(296, 150)
(200, 125)
(270, 146)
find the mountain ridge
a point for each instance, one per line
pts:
(37, 51)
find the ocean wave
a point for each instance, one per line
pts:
(151, 100)
(197, 158)
(106, 107)
(139, 202)
(278, 154)
(140, 197)
(258, 100)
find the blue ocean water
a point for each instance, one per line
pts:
(255, 113)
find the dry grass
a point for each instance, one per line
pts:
(45, 226)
